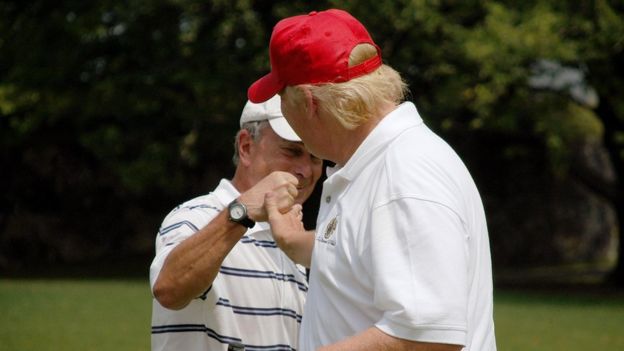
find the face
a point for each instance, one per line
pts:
(301, 126)
(272, 153)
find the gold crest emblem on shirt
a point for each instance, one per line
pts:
(331, 228)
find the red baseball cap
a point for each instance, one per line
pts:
(313, 49)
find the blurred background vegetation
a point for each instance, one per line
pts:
(112, 112)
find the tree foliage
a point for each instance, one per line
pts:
(111, 108)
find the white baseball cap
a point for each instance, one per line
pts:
(271, 111)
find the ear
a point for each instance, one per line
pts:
(245, 146)
(311, 106)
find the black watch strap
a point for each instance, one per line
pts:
(247, 222)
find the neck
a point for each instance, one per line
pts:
(239, 181)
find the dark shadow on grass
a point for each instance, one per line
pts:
(113, 267)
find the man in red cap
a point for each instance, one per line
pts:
(400, 258)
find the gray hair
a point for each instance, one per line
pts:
(254, 129)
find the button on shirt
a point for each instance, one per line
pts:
(401, 244)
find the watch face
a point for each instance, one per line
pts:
(237, 211)
(238, 214)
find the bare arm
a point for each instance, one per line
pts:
(288, 231)
(375, 339)
(191, 267)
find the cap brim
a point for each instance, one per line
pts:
(281, 127)
(264, 88)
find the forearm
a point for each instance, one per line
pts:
(192, 266)
(298, 247)
(375, 339)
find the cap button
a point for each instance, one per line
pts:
(312, 13)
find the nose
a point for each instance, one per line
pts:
(304, 169)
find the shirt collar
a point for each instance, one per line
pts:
(403, 117)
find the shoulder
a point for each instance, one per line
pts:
(419, 164)
(188, 218)
(208, 203)
(199, 207)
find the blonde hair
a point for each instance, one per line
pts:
(354, 102)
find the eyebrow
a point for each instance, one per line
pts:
(292, 143)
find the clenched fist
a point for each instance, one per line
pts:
(284, 187)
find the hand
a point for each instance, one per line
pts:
(288, 231)
(282, 184)
(283, 224)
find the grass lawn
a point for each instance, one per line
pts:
(562, 320)
(74, 315)
(115, 315)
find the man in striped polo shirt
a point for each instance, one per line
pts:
(218, 277)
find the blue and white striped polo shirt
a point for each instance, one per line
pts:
(257, 298)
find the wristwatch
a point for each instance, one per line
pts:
(238, 214)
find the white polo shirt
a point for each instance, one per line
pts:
(401, 244)
(256, 299)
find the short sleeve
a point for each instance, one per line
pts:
(419, 266)
(179, 224)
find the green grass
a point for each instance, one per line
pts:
(115, 315)
(562, 320)
(74, 315)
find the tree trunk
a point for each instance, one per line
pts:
(613, 126)
(617, 276)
